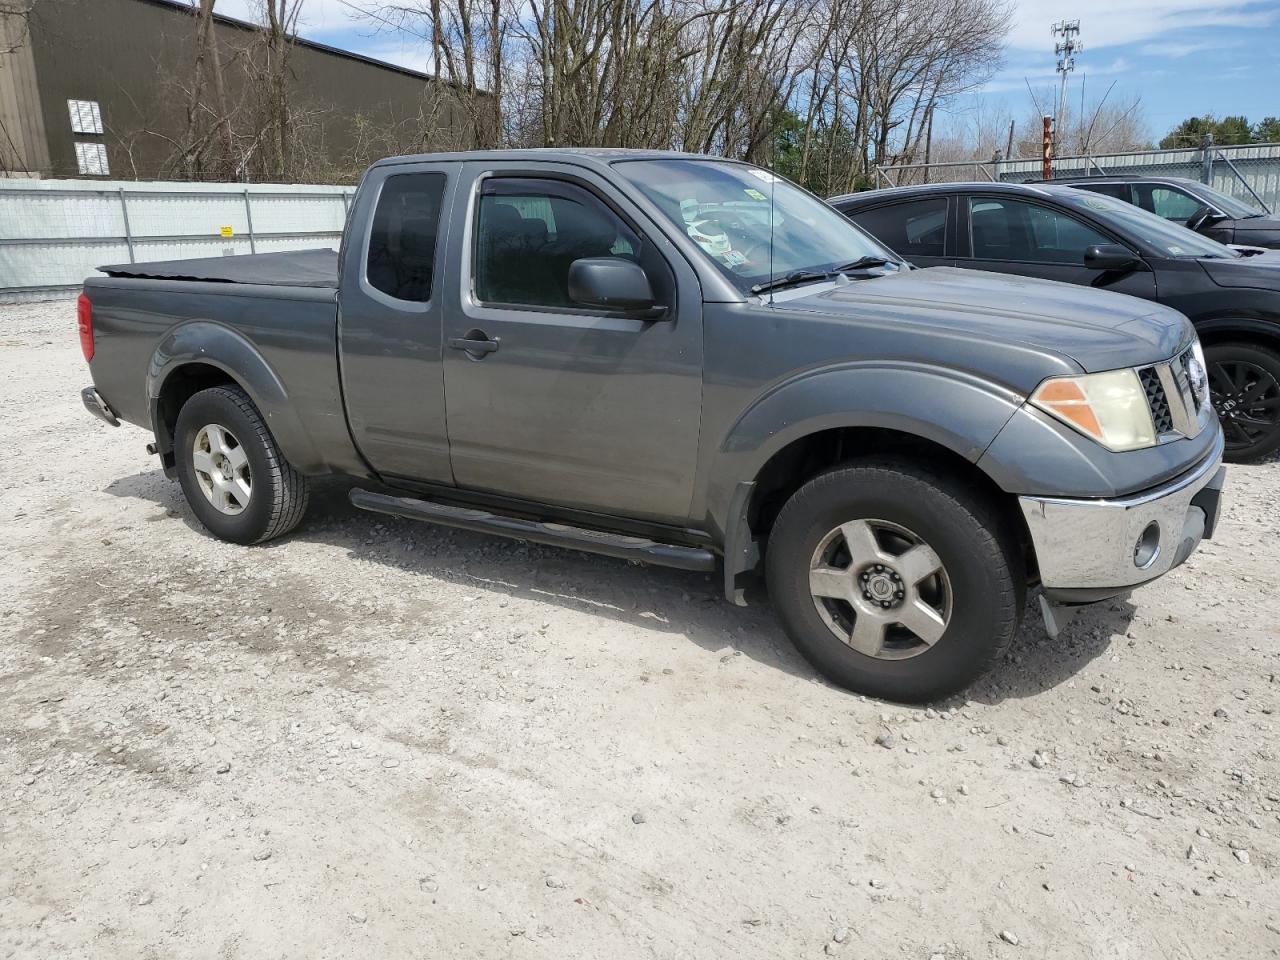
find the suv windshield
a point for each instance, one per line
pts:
(724, 208)
(1233, 208)
(1171, 239)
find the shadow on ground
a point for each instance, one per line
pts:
(682, 603)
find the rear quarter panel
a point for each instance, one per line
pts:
(278, 343)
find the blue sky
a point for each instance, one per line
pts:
(1182, 57)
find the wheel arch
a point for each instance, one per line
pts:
(201, 354)
(942, 419)
(1262, 333)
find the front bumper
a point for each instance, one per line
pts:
(1087, 550)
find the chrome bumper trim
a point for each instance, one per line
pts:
(94, 403)
(1083, 544)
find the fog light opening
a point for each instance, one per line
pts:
(1147, 547)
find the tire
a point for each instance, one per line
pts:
(976, 597)
(257, 496)
(1244, 383)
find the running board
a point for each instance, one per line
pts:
(552, 534)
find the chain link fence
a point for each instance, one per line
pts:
(1249, 173)
(54, 233)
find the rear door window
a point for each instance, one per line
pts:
(402, 237)
(914, 228)
(1121, 191)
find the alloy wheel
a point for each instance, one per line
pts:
(881, 589)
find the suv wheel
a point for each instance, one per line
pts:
(894, 582)
(1244, 384)
(233, 475)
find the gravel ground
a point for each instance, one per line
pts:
(382, 739)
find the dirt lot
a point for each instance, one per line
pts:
(382, 739)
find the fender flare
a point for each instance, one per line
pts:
(217, 345)
(959, 411)
(1251, 326)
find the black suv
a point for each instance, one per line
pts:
(1192, 204)
(1058, 232)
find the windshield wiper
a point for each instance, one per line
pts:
(792, 279)
(862, 263)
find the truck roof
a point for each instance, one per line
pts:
(584, 156)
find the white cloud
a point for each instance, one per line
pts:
(1109, 23)
(1041, 72)
(1175, 49)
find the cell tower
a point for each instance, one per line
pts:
(1066, 49)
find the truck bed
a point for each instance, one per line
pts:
(290, 268)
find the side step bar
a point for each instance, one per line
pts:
(552, 534)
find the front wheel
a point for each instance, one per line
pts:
(1244, 384)
(236, 480)
(894, 582)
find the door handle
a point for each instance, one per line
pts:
(474, 343)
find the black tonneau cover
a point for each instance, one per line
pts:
(292, 268)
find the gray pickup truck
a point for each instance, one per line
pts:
(685, 361)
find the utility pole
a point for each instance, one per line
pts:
(1066, 50)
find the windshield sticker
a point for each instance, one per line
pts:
(1176, 250)
(764, 175)
(754, 194)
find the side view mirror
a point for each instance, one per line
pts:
(1109, 256)
(1203, 217)
(612, 283)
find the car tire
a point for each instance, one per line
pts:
(971, 606)
(236, 480)
(1244, 383)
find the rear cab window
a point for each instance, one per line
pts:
(402, 237)
(910, 228)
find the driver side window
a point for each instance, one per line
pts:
(528, 233)
(1170, 203)
(1007, 229)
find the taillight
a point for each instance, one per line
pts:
(84, 320)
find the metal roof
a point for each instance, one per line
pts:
(179, 7)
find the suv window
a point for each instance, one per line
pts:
(528, 233)
(402, 238)
(1121, 191)
(1168, 202)
(914, 228)
(1024, 232)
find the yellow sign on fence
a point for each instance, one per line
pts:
(227, 232)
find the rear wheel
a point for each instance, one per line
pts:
(1244, 384)
(234, 477)
(894, 582)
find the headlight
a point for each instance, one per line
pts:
(1198, 374)
(1109, 407)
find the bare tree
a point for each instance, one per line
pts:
(15, 24)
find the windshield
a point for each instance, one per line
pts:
(1233, 208)
(724, 209)
(1171, 239)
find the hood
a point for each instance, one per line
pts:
(1261, 272)
(1096, 329)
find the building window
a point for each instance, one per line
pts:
(86, 116)
(91, 159)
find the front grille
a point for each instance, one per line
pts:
(1161, 415)
(1184, 367)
